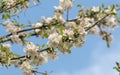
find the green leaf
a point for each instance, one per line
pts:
(61, 29)
(46, 35)
(5, 16)
(108, 45)
(91, 14)
(69, 51)
(116, 68)
(79, 5)
(38, 0)
(29, 35)
(2, 48)
(76, 34)
(102, 5)
(112, 13)
(118, 65)
(43, 45)
(22, 26)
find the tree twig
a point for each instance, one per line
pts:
(24, 30)
(97, 22)
(21, 57)
(67, 15)
(2, 10)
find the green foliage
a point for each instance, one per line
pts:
(79, 5)
(6, 16)
(76, 34)
(68, 51)
(46, 35)
(117, 67)
(43, 45)
(29, 35)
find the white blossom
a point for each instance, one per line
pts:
(109, 10)
(95, 9)
(46, 20)
(68, 32)
(26, 68)
(94, 30)
(52, 56)
(64, 47)
(81, 30)
(99, 16)
(59, 18)
(66, 3)
(79, 43)
(111, 22)
(15, 38)
(85, 22)
(38, 24)
(59, 9)
(31, 50)
(54, 39)
(81, 38)
(7, 46)
(9, 2)
(106, 36)
(15, 63)
(70, 24)
(11, 27)
(40, 58)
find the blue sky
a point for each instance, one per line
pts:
(94, 58)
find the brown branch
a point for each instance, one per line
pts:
(1, 41)
(100, 20)
(28, 57)
(97, 22)
(5, 9)
(19, 57)
(42, 73)
(25, 30)
(9, 39)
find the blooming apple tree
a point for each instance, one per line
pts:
(62, 34)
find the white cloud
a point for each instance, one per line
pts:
(102, 63)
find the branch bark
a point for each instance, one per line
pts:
(25, 30)
(28, 57)
(97, 22)
(5, 9)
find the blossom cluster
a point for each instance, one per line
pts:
(14, 6)
(13, 29)
(62, 34)
(9, 2)
(37, 57)
(5, 50)
(26, 68)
